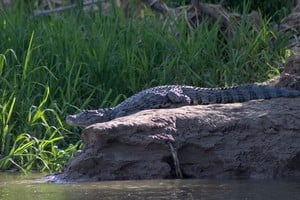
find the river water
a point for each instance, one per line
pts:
(19, 187)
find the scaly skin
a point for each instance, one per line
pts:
(171, 96)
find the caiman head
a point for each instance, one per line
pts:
(89, 117)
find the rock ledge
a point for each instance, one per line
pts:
(255, 139)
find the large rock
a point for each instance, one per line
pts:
(256, 139)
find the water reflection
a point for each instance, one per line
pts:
(13, 187)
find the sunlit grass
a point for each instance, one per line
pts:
(29, 140)
(55, 65)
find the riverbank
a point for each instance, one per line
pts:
(56, 65)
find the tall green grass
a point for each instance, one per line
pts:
(54, 65)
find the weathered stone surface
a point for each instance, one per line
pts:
(256, 139)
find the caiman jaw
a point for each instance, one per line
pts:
(88, 117)
(71, 120)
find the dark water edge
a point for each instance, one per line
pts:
(33, 186)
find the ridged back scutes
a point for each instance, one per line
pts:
(152, 97)
(239, 93)
(146, 99)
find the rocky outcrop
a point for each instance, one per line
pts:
(290, 77)
(256, 139)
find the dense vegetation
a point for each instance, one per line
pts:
(276, 9)
(59, 64)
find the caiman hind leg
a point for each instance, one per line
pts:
(177, 98)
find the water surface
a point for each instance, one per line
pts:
(19, 187)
